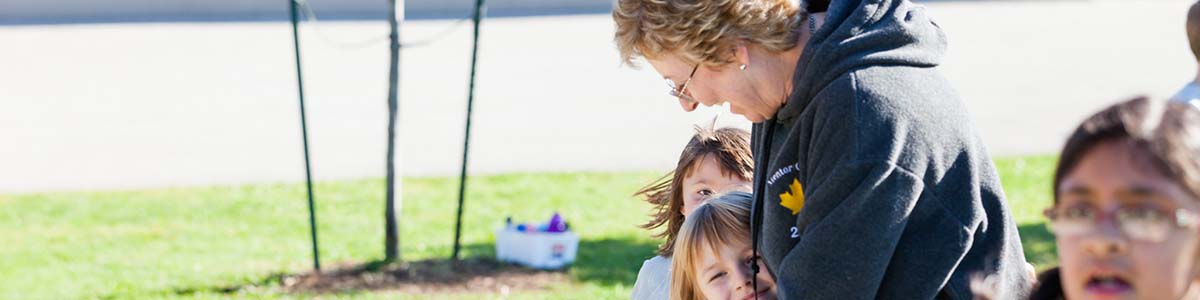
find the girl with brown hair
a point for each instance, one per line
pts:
(715, 161)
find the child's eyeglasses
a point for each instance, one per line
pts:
(681, 91)
(1139, 223)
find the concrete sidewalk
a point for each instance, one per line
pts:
(114, 106)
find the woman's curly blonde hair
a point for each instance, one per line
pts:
(703, 31)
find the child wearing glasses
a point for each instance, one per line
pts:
(1126, 211)
(713, 256)
(713, 162)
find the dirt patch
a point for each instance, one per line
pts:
(476, 275)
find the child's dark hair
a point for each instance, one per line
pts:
(1166, 135)
(730, 147)
(1193, 29)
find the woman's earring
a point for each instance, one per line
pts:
(743, 67)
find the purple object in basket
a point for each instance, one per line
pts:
(556, 224)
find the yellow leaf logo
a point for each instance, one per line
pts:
(794, 199)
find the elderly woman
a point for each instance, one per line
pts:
(871, 182)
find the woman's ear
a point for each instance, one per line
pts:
(741, 54)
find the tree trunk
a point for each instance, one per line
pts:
(394, 184)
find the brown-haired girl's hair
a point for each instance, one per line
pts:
(731, 149)
(722, 221)
(1193, 29)
(1166, 135)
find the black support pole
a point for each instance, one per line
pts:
(462, 183)
(312, 210)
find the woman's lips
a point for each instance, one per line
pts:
(1107, 286)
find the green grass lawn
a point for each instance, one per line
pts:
(189, 243)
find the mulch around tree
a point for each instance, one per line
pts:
(473, 275)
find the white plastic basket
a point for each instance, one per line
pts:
(539, 250)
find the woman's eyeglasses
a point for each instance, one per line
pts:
(1138, 223)
(680, 92)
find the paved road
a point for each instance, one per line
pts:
(114, 106)
(125, 11)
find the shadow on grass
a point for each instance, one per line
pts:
(604, 262)
(1039, 245)
(274, 279)
(477, 272)
(611, 261)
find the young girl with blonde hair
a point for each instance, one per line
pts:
(714, 260)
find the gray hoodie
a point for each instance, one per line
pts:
(872, 182)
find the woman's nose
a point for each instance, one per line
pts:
(1105, 240)
(688, 106)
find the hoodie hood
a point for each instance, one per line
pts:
(863, 33)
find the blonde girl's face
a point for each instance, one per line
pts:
(707, 180)
(725, 273)
(1102, 259)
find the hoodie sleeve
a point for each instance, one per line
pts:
(846, 253)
